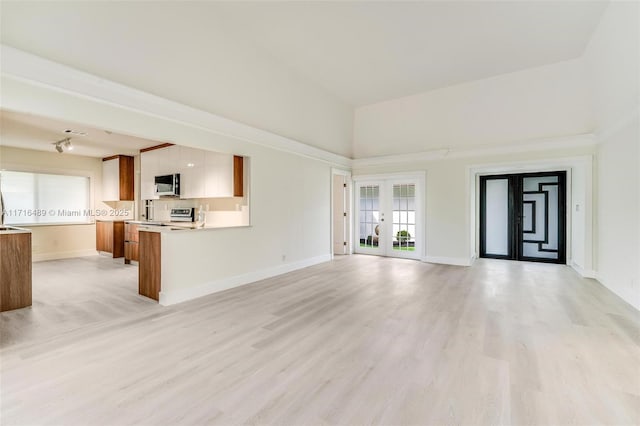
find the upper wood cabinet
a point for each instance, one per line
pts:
(238, 176)
(203, 174)
(117, 178)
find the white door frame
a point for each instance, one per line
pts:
(419, 177)
(349, 207)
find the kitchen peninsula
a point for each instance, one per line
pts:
(15, 268)
(157, 266)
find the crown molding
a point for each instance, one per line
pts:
(35, 70)
(544, 144)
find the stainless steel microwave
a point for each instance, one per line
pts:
(168, 185)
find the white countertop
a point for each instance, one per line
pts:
(5, 230)
(179, 226)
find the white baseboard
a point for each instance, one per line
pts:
(456, 261)
(628, 298)
(583, 272)
(40, 257)
(182, 295)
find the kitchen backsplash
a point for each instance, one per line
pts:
(223, 211)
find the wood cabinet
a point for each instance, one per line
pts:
(238, 176)
(131, 242)
(15, 271)
(110, 237)
(117, 178)
(203, 174)
(149, 278)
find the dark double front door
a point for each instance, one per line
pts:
(522, 216)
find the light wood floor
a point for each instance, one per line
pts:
(72, 293)
(360, 340)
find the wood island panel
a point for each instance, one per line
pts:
(15, 271)
(149, 264)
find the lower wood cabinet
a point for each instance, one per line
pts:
(131, 243)
(149, 265)
(131, 252)
(110, 237)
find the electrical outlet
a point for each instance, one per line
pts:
(284, 257)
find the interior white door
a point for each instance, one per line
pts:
(389, 218)
(339, 214)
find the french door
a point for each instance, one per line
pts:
(523, 217)
(389, 218)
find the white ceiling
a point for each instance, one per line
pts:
(39, 133)
(366, 52)
(362, 52)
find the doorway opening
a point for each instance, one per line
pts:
(523, 216)
(341, 207)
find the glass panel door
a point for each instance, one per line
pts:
(522, 216)
(369, 218)
(495, 215)
(389, 218)
(540, 218)
(403, 241)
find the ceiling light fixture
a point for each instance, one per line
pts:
(75, 132)
(63, 145)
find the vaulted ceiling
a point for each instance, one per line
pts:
(361, 52)
(366, 52)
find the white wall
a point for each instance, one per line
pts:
(289, 196)
(529, 118)
(613, 59)
(290, 227)
(195, 61)
(548, 101)
(61, 241)
(450, 212)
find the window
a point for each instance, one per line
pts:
(38, 198)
